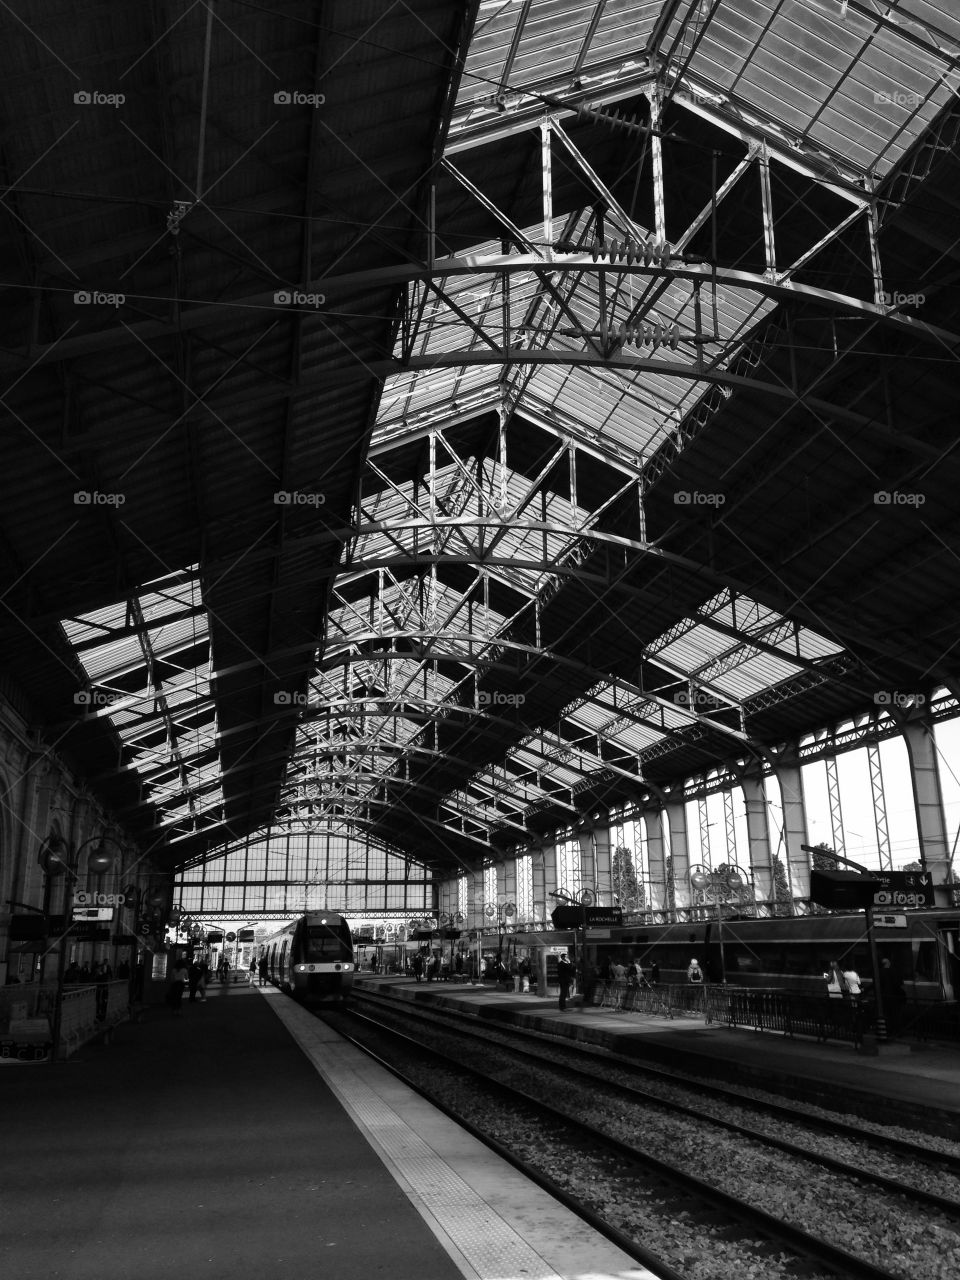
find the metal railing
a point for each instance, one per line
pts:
(667, 1000)
(85, 1012)
(792, 1014)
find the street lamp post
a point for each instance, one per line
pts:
(732, 880)
(100, 860)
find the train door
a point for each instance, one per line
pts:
(948, 936)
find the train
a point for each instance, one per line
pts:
(312, 958)
(790, 952)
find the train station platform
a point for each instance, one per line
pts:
(922, 1080)
(243, 1137)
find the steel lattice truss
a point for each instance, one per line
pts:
(616, 339)
(609, 517)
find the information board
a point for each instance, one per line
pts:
(903, 890)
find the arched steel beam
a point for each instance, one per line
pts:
(120, 335)
(593, 674)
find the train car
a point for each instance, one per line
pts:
(312, 958)
(790, 952)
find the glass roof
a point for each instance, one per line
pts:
(147, 660)
(856, 80)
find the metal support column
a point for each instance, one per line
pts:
(758, 840)
(879, 806)
(795, 835)
(509, 880)
(602, 854)
(545, 161)
(656, 859)
(836, 813)
(729, 827)
(679, 855)
(588, 867)
(918, 733)
(540, 901)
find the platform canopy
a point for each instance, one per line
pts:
(438, 423)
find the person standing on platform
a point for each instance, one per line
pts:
(618, 972)
(418, 966)
(202, 981)
(564, 978)
(515, 973)
(836, 985)
(194, 974)
(263, 970)
(854, 989)
(178, 980)
(524, 967)
(694, 984)
(253, 970)
(894, 996)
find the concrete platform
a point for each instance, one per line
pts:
(242, 1137)
(922, 1080)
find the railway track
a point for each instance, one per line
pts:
(664, 1086)
(670, 1218)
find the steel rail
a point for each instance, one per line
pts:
(775, 1229)
(629, 1246)
(633, 1093)
(886, 1145)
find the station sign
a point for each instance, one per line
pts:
(903, 890)
(890, 922)
(592, 917)
(103, 914)
(90, 931)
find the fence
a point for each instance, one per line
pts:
(27, 1015)
(668, 1000)
(792, 1014)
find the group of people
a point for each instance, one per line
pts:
(260, 969)
(436, 967)
(99, 971)
(845, 984)
(192, 977)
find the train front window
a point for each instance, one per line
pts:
(323, 943)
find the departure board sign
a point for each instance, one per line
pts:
(592, 917)
(903, 890)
